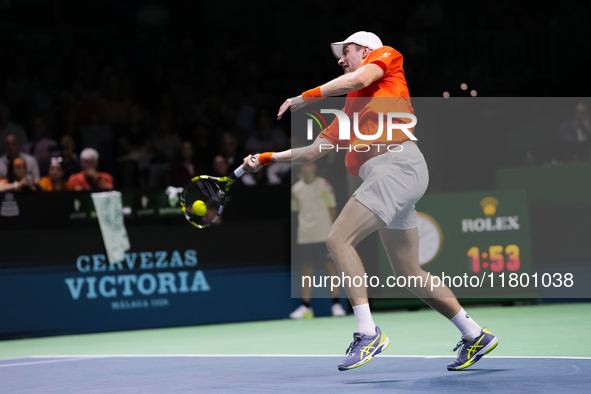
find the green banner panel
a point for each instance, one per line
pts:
(551, 184)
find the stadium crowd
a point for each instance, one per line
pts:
(158, 95)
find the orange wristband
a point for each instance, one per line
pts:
(265, 158)
(312, 95)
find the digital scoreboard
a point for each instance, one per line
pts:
(473, 242)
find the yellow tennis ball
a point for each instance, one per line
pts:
(199, 208)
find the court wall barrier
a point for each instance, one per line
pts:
(55, 278)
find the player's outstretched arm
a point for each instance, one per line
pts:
(345, 84)
(306, 154)
(352, 82)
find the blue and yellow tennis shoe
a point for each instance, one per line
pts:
(364, 348)
(472, 350)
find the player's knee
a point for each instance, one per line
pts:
(333, 242)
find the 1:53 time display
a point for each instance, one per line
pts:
(499, 257)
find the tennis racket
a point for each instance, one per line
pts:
(203, 198)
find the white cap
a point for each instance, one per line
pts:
(364, 38)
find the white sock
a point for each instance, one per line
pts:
(365, 324)
(466, 325)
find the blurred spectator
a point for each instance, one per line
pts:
(19, 85)
(202, 144)
(166, 142)
(12, 147)
(579, 128)
(134, 149)
(429, 14)
(17, 178)
(152, 16)
(166, 106)
(220, 166)
(133, 134)
(96, 134)
(114, 101)
(575, 135)
(70, 161)
(8, 127)
(244, 117)
(40, 145)
(153, 86)
(55, 181)
(229, 150)
(78, 105)
(199, 116)
(166, 145)
(89, 178)
(266, 138)
(187, 168)
(313, 198)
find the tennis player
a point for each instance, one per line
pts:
(392, 183)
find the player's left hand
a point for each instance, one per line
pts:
(251, 165)
(293, 104)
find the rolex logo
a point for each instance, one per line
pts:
(489, 206)
(498, 223)
(76, 204)
(145, 201)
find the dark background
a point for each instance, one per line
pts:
(220, 65)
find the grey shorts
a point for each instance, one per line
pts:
(392, 184)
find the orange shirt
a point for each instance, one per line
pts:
(80, 182)
(46, 185)
(387, 94)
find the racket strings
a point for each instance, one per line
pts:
(211, 193)
(211, 190)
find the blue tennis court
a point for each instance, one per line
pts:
(302, 356)
(294, 374)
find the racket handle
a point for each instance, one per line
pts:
(238, 172)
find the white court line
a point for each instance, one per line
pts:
(59, 360)
(280, 355)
